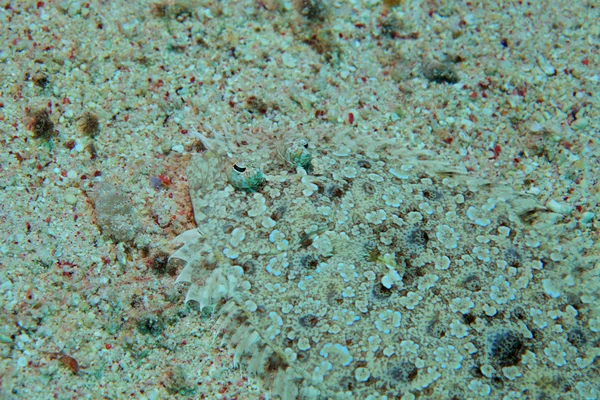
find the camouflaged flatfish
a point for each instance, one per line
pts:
(370, 274)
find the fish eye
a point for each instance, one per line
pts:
(246, 177)
(297, 154)
(238, 168)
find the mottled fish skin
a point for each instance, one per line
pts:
(363, 276)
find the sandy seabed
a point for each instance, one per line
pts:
(99, 103)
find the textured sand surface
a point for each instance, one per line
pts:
(89, 307)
